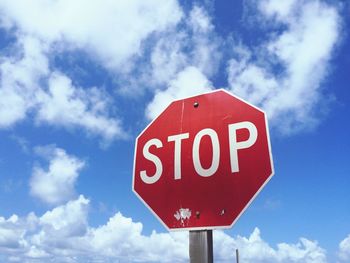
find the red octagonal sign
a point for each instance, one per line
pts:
(201, 162)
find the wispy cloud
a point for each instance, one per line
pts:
(29, 88)
(188, 82)
(22, 142)
(153, 45)
(284, 74)
(111, 33)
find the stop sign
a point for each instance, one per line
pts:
(201, 162)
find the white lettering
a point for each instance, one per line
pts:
(216, 153)
(235, 146)
(153, 158)
(177, 152)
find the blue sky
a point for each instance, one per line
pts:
(80, 80)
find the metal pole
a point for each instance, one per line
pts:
(201, 246)
(237, 256)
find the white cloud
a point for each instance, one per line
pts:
(205, 54)
(70, 106)
(184, 57)
(122, 239)
(344, 250)
(70, 215)
(55, 184)
(188, 82)
(168, 58)
(255, 249)
(279, 9)
(63, 235)
(182, 47)
(65, 221)
(183, 61)
(13, 231)
(28, 86)
(9, 236)
(291, 95)
(19, 76)
(111, 33)
(149, 45)
(112, 30)
(50, 236)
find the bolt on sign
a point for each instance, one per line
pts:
(201, 162)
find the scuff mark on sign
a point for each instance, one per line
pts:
(183, 214)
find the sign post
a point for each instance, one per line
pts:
(201, 246)
(202, 161)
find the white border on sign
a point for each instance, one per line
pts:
(250, 201)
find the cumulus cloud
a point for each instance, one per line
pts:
(9, 236)
(55, 184)
(286, 79)
(46, 237)
(344, 250)
(255, 249)
(122, 239)
(63, 235)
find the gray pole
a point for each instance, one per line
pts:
(237, 256)
(201, 246)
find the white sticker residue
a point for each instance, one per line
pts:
(182, 214)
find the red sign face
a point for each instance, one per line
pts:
(201, 162)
